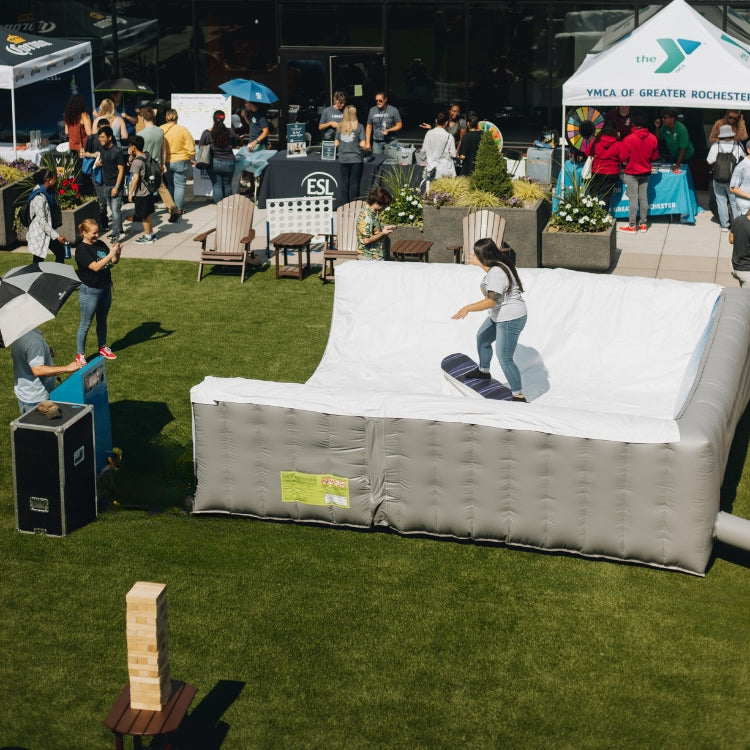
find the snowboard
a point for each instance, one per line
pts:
(455, 367)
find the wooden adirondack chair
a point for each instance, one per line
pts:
(476, 226)
(345, 240)
(234, 233)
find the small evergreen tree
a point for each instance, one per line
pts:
(490, 169)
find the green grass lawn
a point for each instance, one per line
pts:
(306, 637)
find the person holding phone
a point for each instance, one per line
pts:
(94, 260)
(371, 234)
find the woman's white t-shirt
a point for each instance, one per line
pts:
(511, 304)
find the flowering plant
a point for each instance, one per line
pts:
(69, 193)
(578, 211)
(405, 208)
(12, 171)
(439, 198)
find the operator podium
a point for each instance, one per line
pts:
(89, 386)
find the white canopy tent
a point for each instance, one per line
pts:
(675, 59)
(26, 59)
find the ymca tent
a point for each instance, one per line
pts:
(737, 26)
(676, 58)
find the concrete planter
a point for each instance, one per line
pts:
(580, 251)
(8, 196)
(72, 217)
(523, 230)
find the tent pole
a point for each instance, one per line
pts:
(13, 120)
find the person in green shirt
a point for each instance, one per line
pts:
(674, 135)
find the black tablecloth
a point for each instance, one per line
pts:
(310, 176)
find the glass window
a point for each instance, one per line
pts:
(331, 25)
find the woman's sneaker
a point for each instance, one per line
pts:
(106, 352)
(80, 359)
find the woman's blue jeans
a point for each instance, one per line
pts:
(221, 179)
(93, 302)
(177, 176)
(504, 334)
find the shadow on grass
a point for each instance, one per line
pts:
(204, 729)
(146, 331)
(156, 472)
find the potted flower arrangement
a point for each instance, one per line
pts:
(12, 175)
(406, 210)
(74, 206)
(581, 233)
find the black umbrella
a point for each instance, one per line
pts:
(31, 295)
(126, 85)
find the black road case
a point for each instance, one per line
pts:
(54, 470)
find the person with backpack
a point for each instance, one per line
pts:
(723, 157)
(43, 213)
(155, 145)
(141, 189)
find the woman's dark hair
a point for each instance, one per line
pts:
(489, 254)
(219, 132)
(472, 121)
(441, 119)
(75, 107)
(380, 196)
(608, 129)
(43, 174)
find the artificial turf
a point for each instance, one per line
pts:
(310, 637)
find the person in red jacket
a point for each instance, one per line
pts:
(605, 149)
(638, 150)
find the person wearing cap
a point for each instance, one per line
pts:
(736, 121)
(725, 198)
(34, 372)
(222, 140)
(739, 185)
(674, 136)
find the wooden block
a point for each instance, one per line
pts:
(146, 632)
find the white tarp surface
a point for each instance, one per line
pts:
(605, 357)
(676, 58)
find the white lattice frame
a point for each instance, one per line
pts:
(308, 215)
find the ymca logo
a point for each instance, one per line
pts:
(320, 184)
(676, 51)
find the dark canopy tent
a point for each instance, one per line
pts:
(40, 74)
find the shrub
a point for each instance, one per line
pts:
(577, 211)
(490, 169)
(14, 171)
(529, 191)
(453, 186)
(476, 199)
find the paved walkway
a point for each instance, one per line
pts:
(667, 250)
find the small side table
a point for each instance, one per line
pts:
(296, 242)
(420, 249)
(122, 719)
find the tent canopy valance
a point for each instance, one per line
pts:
(677, 58)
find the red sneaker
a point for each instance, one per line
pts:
(105, 351)
(643, 228)
(80, 359)
(627, 228)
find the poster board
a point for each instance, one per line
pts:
(195, 111)
(296, 145)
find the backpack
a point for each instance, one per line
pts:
(724, 166)
(24, 214)
(153, 172)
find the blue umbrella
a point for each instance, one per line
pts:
(252, 91)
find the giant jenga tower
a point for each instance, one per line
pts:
(148, 649)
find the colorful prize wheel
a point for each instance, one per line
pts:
(577, 120)
(494, 131)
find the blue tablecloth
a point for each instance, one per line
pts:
(668, 193)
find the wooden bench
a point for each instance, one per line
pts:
(123, 720)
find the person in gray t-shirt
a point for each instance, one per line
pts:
(331, 116)
(350, 142)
